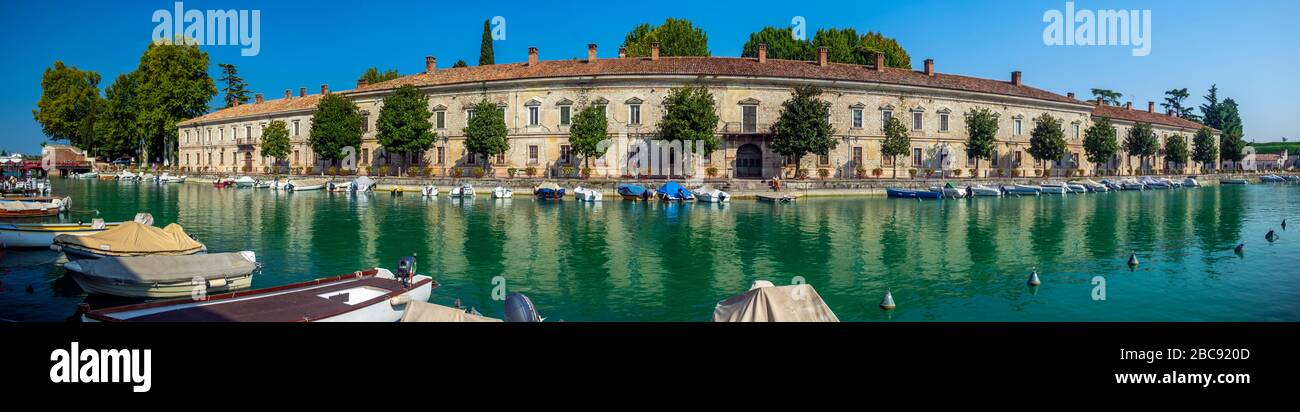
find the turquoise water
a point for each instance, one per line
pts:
(954, 260)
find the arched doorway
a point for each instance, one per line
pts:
(749, 161)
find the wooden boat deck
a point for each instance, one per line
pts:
(293, 306)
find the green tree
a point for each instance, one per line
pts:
(1174, 102)
(485, 54)
(460, 63)
(335, 125)
(781, 44)
(802, 127)
(1107, 96)
(982, 130)
(841, 45)
(275, 141)
(236, 89)
(1176, 151)
(690, 116)
(897, 141)
(403, 124)
(1141, 142)
(486, 133)
(374, 76)
(589, 128)
(118, 128)
(874, 43)
(1204, 148)
(174, 85)
(1232, 137)
(1210, 110)
(1047, 141)
(1100, 143)
(68, 105)
(676, 37)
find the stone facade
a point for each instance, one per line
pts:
(231, 144)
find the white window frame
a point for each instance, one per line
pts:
(297, 130)
(566, 115)
(534, 115)
(856, 115)
(634, 114)
(918, 121)
(885, 115)
(1017, 127)
(440, 119)
(944, 118)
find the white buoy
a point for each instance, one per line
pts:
(888, 302)
(1033, 279)
(1133, 259)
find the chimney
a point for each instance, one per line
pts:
(532, 56)
(821, 56)
(288, 93)
(622, 52)
(324, 89)
(362, 82)
(259, 98)
(1100, 102)
(654, 51)
(929, 67)
(302, 92)
(762, 52)
(430, 64)
(1128, 105)
(880, 62)
(1070, 95)
(1151, 107)
(1015, 78)
(591, 52)
(235, 103)
(1169, 113)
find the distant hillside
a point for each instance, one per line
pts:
(1291, 148)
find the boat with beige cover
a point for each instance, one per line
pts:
(164, 276)
(129, 239)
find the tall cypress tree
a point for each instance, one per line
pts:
(485, 56)
(236, 88)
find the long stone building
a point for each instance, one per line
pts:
(539, 99)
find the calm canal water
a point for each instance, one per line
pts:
(955, 260)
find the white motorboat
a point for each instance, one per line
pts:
(1092, 186)
(363, 184)
(1132, 184)
(305, 185)
(125, 175)
(465, 190)
(1235, 181)
(981, 190)
(245, 181)
(587, 195)
(429, 191)
(1152, 183)
(1054, 188)
(87, 175)
(1024, 190)
(1272, 179)
(949, 191)
(1076, 188)
(502, 193)
(375, 295)
(339, 186)
(1191, 181)
(41, 235)
(168, 178)
(164, 276)
(711, 195)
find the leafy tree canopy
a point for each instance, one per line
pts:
(275, 140)
(1107, 96)
(897, 141)
(589, 128)
(676, 37)
(1174, 102)
(174, 85)
(117, 129)
(236, 89)
(803, 127)
(335, 125)
(68, 105)
(1047, 140)
(486, 132)
(460, 63)
(982, 129)
(1204, 149)
(1101, 142)
(373, 75)
(1176, 150)
(842, 46)
(690, 116)
(781, 44)
(403, 124)
(1141, 141)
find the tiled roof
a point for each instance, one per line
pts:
(252, 109)
(715, 66)
(694, 66)
(1120, 113)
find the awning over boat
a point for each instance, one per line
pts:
(132, 237)
(767, 303)
(428, 312)
(157, 269)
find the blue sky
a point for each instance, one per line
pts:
(1246, 48)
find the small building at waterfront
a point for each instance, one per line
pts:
(540, 97)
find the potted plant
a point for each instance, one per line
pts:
(860, 172)
(823, 173)
(911, 173)
(801, 173)
(711, 171)
(566, 171)
(383, 170)
(456, 172)
(586, 172)
(477, 172)
(511, 172)
(530, 171)
(877, 172)
(956, 172)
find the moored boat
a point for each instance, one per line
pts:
(949, 191)
(164, 276)
(502, 193)
(587, 195)
(1272, 179)
(1191, 181)
(632, 192)
(41, 235)
(549, 190)
(221, 182)
(129, 239)
(24, 209)
(1023, 190)
(365, 184)
(912, 194)
(674, 192)
(375, 295)
(339, 187)
(245, 181)
(306, 185)
(1053, 188)
(1235, 181)
(1132, 184)
(429, 191)
(87, 175)
(711, 195)
(464, 190)
(1152, 183)
(63, 202)
(765, 302)
(981, 190)
(1091, 185)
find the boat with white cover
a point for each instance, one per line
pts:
(429, 191)
(375, 295)
(711, 195)
(306, 185)
(765, 302)
(1235, 181)
(981, 190)
(164, 276)
(587, 195)
(465, 190)
(502, 193)
(1023, 190)
(1191, 181)
(1132, 184)
(245, 181)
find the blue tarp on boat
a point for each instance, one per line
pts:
(632, 190)
(674, 191)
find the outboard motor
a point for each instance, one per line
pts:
(405, 270)
(520, 309)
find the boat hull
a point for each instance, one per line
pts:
(549, 194)
(174, 289)
(42, 236)
(912, 194)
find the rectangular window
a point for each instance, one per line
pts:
(1015, 128)
(824, 159)
(533, 117)
(532, 154)
(365, 155)
(440, 119)
(470, 158)
(365, 123)
(221, 135)
(565, 112)
(295, 152)
(1076, 131)
(442, 155)
(748, 119)
(886, 160)
(1016, 162)
(970, 160)
(564, 154)
(857, 156)
(995, 158)
(884, 118)
(634, 114)
(501, 158)
(857, 118)
(916, 120)
(469, 115)
(916, 156)
(943, 122)
(221, 158)
(295, 128)
(248, 133)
